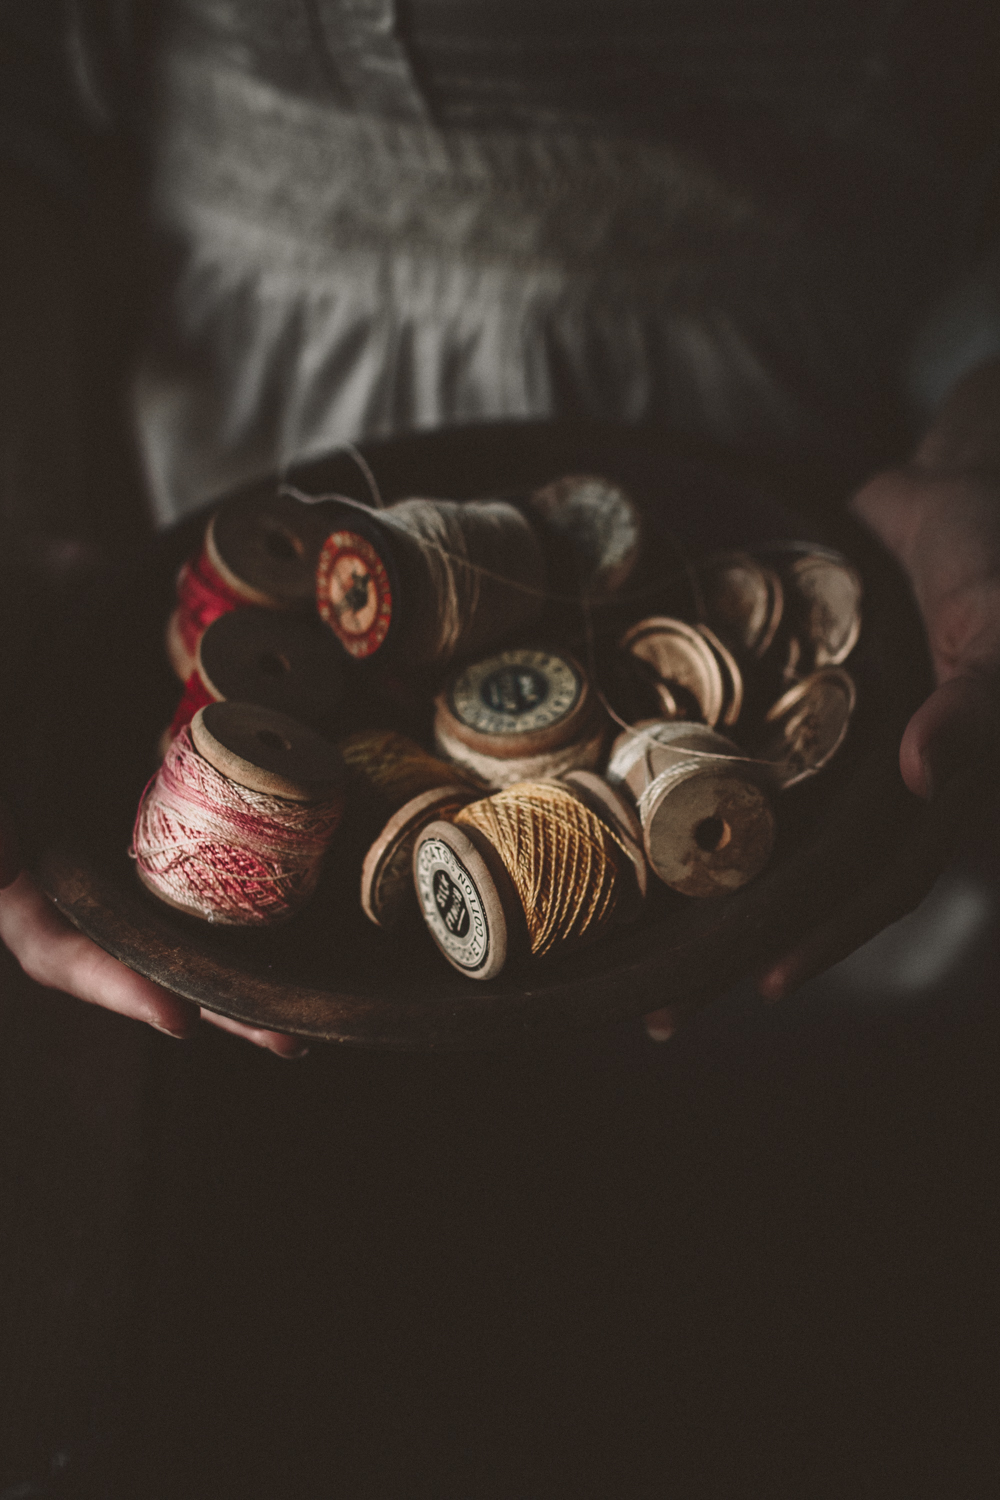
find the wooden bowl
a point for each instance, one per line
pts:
(330, 973)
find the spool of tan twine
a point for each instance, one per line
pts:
(465, 575)
(528, 871)
(395, 767)
(567, 866)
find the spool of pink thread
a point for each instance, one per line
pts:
(234, 825)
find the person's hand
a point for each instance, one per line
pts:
(940, 517)
(945, 530)
(55, 954)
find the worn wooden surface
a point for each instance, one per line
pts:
(332, 975)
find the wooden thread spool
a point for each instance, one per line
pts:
(387, 895)
(260, 548)
(707, 822)
(425, 580)
(235, 823)
(406, 788)
(744, 601)
(277, 661)
(807, 725)
(594, 530)
(529, 871)
(693, 673)
(823, 594)
(522, 715)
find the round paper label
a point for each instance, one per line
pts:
(516, 692)
(353, 593)
(452, 906)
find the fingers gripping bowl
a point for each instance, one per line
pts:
(328, 971)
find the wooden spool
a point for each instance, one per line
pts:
(522, 715)
(823, 594)
(265, 547)
(469, 902)
(744, 601)
(387, 893)
(805, 728)
(374, 591)
(392, 768)
(693, 673)
(707, 822)
(277, 661)
(266, 752)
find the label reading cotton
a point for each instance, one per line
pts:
(452, 906)
(516, 692)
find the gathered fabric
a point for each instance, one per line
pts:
(335, 271)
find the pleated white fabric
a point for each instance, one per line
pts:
(330, 274)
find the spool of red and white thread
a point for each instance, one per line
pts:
(234, 825)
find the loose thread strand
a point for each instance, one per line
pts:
(546, 595)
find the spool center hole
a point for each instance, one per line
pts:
(284, 545)
(272, 740)
(712, 834)
(273, 664)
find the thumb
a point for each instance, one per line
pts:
(956, 724)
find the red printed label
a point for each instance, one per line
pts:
(353, 593)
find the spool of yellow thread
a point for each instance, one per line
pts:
(530, 871)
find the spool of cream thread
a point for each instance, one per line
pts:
(522, 715)
(707, 821)
(425, 580)
(469, 892)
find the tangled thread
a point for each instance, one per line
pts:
(566, 864)
(232, 855)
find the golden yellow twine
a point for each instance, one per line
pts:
(566, 865)
(395, 766)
